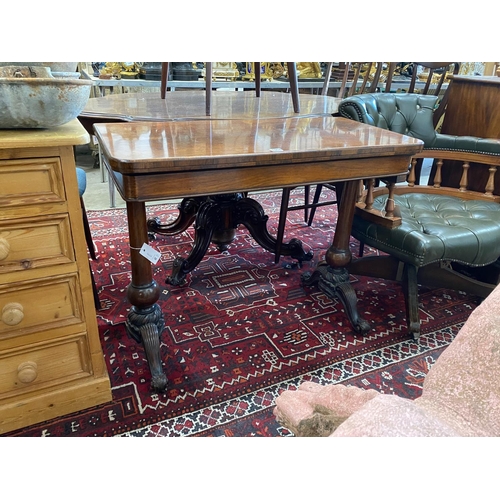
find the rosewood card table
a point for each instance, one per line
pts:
(182, 159)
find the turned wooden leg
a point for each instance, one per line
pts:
(331, 275)
(145, 322)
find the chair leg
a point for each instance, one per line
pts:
(208, 89)
(285, 198)
(361, 249)
(307, 190)
(294, 85)
(164, 79)
(410, 287)
(90, 246)
(97, 301)
(88, 234)
(256, 72)
(317, 194)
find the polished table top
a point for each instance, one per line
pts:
(190, 145)
(190, 105)
(219, 156)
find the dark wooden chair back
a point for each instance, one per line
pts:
(355, 77)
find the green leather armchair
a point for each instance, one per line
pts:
(428, 234)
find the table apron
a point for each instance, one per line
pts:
(160, 186)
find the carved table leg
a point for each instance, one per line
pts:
(205, 225)
(145, 322)
(251, 214)
(331, 276)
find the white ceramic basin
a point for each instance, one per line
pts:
(41, 102)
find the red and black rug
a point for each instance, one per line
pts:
(243, 329)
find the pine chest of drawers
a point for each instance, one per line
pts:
(51, 361)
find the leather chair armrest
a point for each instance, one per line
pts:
(466, 144)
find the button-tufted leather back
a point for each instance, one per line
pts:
(408, 114)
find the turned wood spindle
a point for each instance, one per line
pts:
(490, 185)
(361, 191)
(411, 175)
(437, 176)
(464, 181)
(389, 205)
(369, 195)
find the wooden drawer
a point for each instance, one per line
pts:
(28, 182)
(36, 242)
(43, 365)
(37, 305)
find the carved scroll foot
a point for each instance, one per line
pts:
(335, 283)
(180, 269)
(146, 326)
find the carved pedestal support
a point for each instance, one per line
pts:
(216, 219)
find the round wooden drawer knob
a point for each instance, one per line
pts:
(12, 313)
(4, 248)
(27, 372)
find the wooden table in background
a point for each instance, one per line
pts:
(181, 159)
(190, 105)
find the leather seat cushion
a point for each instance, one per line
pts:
(436, 227)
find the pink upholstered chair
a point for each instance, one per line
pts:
(460, 396)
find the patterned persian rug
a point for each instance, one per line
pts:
(243, 329)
